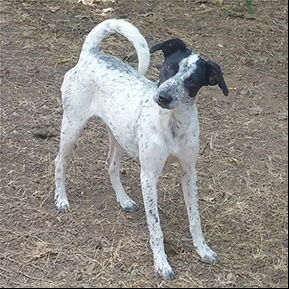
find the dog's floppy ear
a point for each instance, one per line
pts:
(169, 47)
(215, 76)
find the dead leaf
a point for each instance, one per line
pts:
(87, 2)
(89, 268)
(63, 60)
(54, 9)
(108, 10)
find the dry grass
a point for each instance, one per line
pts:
(242, 167)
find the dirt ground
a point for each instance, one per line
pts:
(242, 167)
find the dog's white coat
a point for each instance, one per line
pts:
(103, 86)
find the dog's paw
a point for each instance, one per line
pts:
(165, 271)
(129, 206)
(212, 258)
(208, 255)
(132, 208)
(61, 205)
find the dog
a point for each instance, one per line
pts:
(150, 121)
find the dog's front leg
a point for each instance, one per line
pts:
(152, 162)
(190, 190)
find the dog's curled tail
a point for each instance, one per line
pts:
(113, 26)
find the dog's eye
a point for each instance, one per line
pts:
(170, 67)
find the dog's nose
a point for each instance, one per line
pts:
(165, 99)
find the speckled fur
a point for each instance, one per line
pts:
(103, 86)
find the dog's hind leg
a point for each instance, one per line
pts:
(72, 125)
(113, 164)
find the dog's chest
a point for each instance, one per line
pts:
(180, 131)
(179, 137)
(170, 132)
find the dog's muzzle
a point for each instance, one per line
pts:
(165, 100)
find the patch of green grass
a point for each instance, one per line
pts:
(249, 4)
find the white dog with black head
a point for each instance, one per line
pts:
(149, 121)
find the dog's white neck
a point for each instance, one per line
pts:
(178, 121)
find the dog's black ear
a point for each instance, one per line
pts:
(169, 47)
(215, 76)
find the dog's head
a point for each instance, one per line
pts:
(183, 73)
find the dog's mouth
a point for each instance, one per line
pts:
(168, 106)
(165, 106)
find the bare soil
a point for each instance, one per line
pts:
(242, 167)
